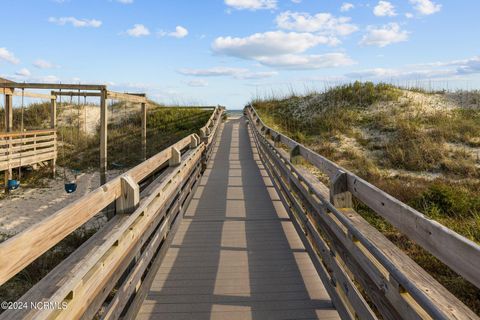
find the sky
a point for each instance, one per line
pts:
(228, 52)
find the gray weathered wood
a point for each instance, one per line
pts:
(103, 137)
(175, 158)
(129, 197)
(339, 195)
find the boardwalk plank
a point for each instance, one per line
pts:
(236, 254)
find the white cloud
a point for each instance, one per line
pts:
(125, 1)
(409, 15)
(197, 83)
(399, 74)
(447, 70)
(138, 30)
(212, 72)
(324, 23)
(271, 43)
(8, 56)
(24, 72)
(251, 4)
(49, 78)
(383, 9)
(426, 7)
(296, 1)
(256, 75)
(237, 73)
(43, 64)
(384, 36)
(317, 61)
(25, 75)
(347, 6)
(279, 49)
(465, 66)
(180, 32)
(77, 23)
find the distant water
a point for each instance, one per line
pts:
(234, 113)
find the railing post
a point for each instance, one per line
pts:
(340, 197)
(8, 112)
(53, 113)
(294, 152)
(195, 141)
(103, 137)
(276, 140)
(204, 135)
(129, 197)
(175, 158)
(53, 126)
(34, 166)
(144, 131)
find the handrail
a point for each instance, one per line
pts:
(352, 237)
(143, 221)
(26, 133)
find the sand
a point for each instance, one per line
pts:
(27, 206)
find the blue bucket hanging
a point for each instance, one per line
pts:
(13, 184)
(70, 187)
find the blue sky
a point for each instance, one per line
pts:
(228, 51)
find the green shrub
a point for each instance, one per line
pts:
(442, 200)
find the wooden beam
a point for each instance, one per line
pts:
(53, 113)
(50, 86)
(26, 94)
(5, 91)
(130, 196)
(103, 137)
(53, 125)
(340, 197)
(76, 94)
(8, 113)
(144, 131)
(126, 97)
(176, 157)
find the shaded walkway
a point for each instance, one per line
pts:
(236, 254)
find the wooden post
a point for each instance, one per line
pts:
(8, 113)
(144, 131)
(53, 126)
(130, 197)
(8, 128)
(204, 135)
(195, 141)
(103, 137)
(277, 140)
(176, 157)
(340, 197)
(53, 113)
(295, 152)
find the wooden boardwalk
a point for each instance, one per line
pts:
(236, 254)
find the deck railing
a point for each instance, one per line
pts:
(19, 149)
(113, 269)
(369, 275)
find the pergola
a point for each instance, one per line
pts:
(10, 88)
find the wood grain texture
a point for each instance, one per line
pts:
(236, 254)
(456, 251)
(370, 258)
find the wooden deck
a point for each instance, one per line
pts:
(236, 254)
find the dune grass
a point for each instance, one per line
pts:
(423, 156)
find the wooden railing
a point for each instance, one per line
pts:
(370, 276)
(114, 268)
(19, 149)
